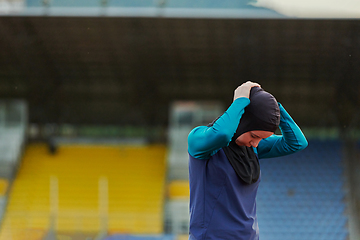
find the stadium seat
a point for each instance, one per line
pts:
(301, 195)
(178, 189)
(4, 183)
(131, 200)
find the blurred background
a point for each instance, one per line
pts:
(97, 98)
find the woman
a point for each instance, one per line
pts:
(224, 170)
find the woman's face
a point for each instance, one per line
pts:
(252, 138)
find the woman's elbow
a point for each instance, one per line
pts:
(302, 144)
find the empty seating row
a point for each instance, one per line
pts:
(86, 188)
(301, 196)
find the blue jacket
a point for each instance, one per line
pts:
(221, 205)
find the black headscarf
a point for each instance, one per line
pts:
(262, 113)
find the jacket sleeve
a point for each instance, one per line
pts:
(205, 141)
(292, 139)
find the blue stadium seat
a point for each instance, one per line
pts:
(301, 195)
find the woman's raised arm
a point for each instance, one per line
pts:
(204, 141)
(291, 140)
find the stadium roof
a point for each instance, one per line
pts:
(139, 8)
(237, 9)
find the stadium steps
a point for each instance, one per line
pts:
(135, 179)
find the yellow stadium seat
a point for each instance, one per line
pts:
(4, 183)
(68, 186)
(178, 189)
(182, 237)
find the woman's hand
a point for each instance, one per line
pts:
(244, 90)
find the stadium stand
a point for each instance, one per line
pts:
(120, 190)
(61, 191)
(302, 197)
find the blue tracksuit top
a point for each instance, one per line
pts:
(221, 205)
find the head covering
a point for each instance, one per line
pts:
(244, 162)
(262, 113)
